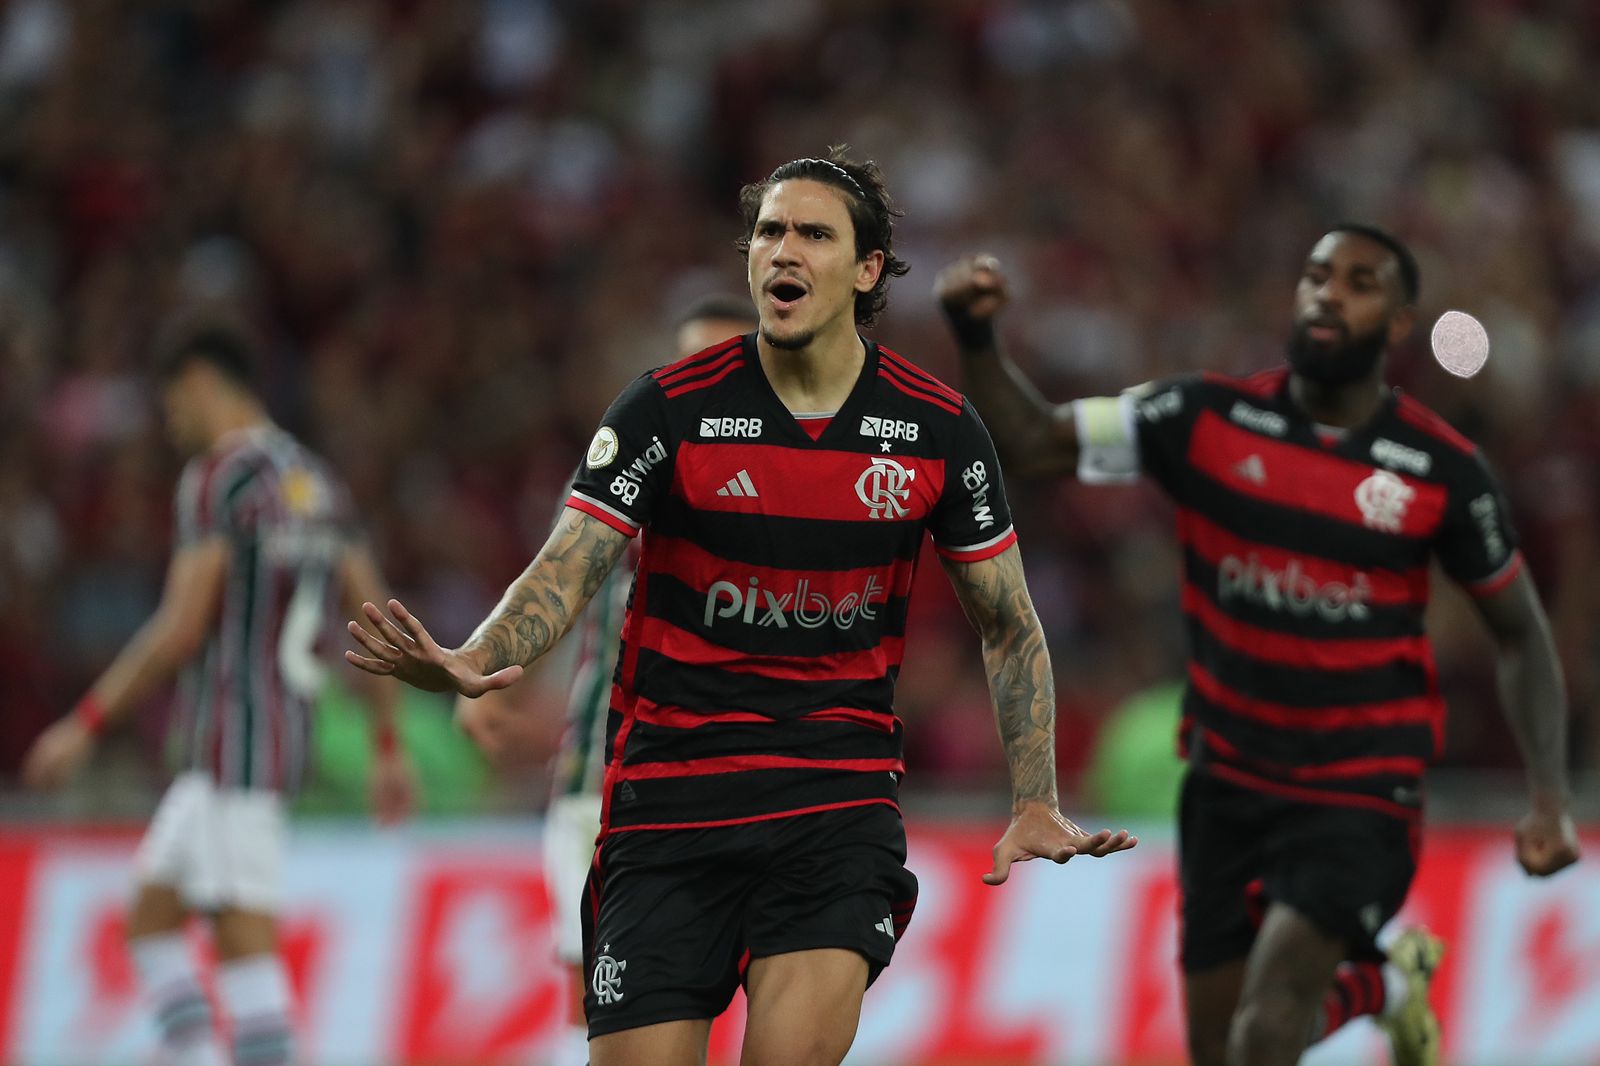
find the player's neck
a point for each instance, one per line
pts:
(232, 419)
(1343, 406)
(818, 377)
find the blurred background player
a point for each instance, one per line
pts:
(750, 827)
(572, 820)
(266, 541)
(1310, 501)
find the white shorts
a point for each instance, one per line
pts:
(218, 847)
(570, 826)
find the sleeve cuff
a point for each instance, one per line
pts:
(976, 553)
(1497, 580)
(609, 515)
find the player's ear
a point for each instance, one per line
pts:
(1402, 323)
(868, 270)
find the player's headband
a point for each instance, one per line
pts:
(835, 167)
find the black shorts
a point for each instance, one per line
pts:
(1345, 869)
(671, 918)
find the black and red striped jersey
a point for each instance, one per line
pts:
(244, 710)
(767, 621)
(1306, 562)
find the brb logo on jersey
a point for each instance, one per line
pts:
(1292, 589)
(888, 428)
(804, 606)
(1383, 499)
(884, 487)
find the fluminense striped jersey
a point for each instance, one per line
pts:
(245, 702)
(767, 623)
(1306, 560)
(581, 762)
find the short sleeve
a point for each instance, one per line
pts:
(628, 467)
(211, 499)
(972, 521)
(1164, 414)
(1477, 543)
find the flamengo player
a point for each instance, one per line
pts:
(572, 821)
(266, 542)
(1310, 500)
(785, 481)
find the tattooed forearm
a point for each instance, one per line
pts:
(995, 597)
(539, 608)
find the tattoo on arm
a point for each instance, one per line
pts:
(995, 597)
(541, 605)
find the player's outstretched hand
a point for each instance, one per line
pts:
(1546, 842)
(58, 753)
(403, 649)
(1040, 831)
(972, 288)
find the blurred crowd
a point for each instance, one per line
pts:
(460, 226)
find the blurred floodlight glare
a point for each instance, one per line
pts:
(1460, 343)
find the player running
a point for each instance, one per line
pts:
(1310, 500)
(266, 540)
(572, 820)
(750, 827)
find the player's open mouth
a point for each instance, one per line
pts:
(786, 294)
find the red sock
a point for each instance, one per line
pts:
(1357, 990)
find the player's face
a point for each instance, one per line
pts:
(698, 334)
(181, 397)
(1348, 308)
(804, 274)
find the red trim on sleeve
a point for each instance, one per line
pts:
(1495, 582)
(595, 510)
(981, 552)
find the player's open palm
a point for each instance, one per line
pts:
(403, 649)
(1040, 831)
(1546, 842)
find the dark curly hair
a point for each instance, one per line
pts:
(871, 214)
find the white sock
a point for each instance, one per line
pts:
(255, 993)
(571, 1048)
(171, 988)
(1396, 989)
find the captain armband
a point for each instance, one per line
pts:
(1108, 445)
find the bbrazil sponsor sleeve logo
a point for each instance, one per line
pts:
(627, 485)
(1486, 512)
(975, 479)
(712, 428)
(603, 449)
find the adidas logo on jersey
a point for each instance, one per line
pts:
(886, 927)
(1252, 469)
(739, 485)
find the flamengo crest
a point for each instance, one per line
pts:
(884, 487)
(1383, 498)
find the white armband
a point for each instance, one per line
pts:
(1108, 444)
